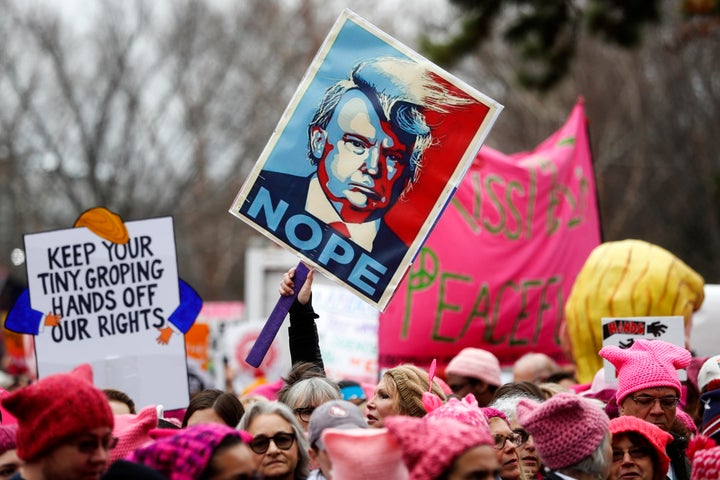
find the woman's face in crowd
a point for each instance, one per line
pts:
(631, 460)
(507, 455)
(527, 452)
(274, 463)
(9, 464)
(382, 404)
(477, 463)
(236, 462)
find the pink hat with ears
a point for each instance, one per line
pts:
(364, 454)
(646, 364)
(133, 431)
(430, 445)
(466, 410)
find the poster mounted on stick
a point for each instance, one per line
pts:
(364, 159)
(110, 297)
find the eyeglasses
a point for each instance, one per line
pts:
(89, 445)
(282, 440)
(514, 438)
(646, 401)
(635, 453)
(304, 413)
(523, 436)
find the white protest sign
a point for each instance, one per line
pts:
(111, 302)
(348, 329)
(623, 331)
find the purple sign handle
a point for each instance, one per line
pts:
(277, 316)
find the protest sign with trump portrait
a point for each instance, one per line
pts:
(364, 159)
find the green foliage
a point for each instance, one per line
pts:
(543, 32)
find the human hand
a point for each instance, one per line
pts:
(287, 286)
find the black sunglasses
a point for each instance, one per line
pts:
(282, 440)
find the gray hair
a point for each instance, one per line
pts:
(594, 463)
(284, 412)
(310, 392)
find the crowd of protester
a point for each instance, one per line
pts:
(464, 422)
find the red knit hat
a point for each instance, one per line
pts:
(55, 408)
(567, 428)
(657, 437)
(646, 364)
(430, 445)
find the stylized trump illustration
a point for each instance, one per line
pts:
(367, 140)
(369, 123)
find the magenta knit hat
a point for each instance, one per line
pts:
(8, 440)
(567, 428)
(657, 437)
(476, 363)
(364, 454)
(133, 431)
(185, 455)
(430, 445)
(646, 364)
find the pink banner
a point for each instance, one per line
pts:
(497, 269)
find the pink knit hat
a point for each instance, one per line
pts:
(8, 437)
(567, 428)
(133, 431)
(430, 445)
(364, 454)
(476, 363)
(657, 437)
(646, 364)
(185, 455)
(466, 410)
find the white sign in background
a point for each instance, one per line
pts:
(348, 328)
(622, 331)
(113, 301)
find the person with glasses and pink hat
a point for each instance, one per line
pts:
(649, 388)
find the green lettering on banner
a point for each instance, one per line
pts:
(419, 279)
(501, 196)
(442, 305)
(523, 313)
(489, 181)
(486, 308)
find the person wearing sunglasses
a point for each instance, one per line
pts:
(64, 427)
(306, 395)
(649, 389)
(279, 444)
(638, 449)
